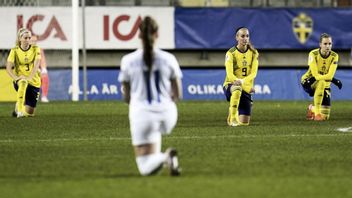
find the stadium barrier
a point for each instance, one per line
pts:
(205, 84)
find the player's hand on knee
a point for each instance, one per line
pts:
(337, 82)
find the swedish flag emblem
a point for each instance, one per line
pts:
(302, 26)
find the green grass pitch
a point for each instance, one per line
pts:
(83, 150)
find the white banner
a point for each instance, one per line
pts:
(106, 27)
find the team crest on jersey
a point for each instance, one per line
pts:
(302, 26)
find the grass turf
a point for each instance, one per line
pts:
(83, 150)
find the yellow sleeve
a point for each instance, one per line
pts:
(312, 63)
(11, 57)
(254, 69)
(37, 53)
(332, 70)
(229, 67)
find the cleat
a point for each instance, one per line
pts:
(310, 114)
(319, 117)
(44, 99)
(14, 114)
(20, 115)
(172, 162)
(234, 124)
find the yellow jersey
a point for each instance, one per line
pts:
(322, 68)
(241, 65)
(23, 61)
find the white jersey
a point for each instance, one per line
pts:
(152, 90)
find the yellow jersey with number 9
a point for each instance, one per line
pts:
(241, 65)
(23, 61)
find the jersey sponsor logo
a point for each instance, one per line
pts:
(302, 26)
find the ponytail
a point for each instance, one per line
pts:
(148, 28)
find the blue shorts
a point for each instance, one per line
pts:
(32, 95)
(326, 99)
(246, 102)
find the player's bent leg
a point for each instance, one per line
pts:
(325, 112)
(168, 119)
(310, 112)
(148, 161)
(29, 111)
(45, 87)
(21, 94)
(318, 96)
(244, 120)
(236, 92)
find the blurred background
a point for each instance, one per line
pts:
(197, 32)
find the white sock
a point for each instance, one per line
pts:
(148, 163)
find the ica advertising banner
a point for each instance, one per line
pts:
(106, 27)
(198, 84)
(270, 28)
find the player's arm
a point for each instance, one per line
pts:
(10, 64)
(254, 70)
(35, 69)
(124, 79)
(313, 66)
(175, 80)
(126, 91)
(332, 70)
(176, 87)
(229, 67)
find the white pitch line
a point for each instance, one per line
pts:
(345, 130)
(174, 137)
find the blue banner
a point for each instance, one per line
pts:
(273, 28)
(205, 84)
(102, 84)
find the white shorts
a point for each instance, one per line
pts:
(147, 125)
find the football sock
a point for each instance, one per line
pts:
(149, 164)
(157, 143)
(234, 102)
(21, 94)
(325, 111)
(318, 96)
(45, 84)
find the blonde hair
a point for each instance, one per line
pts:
(20, 33)
(249, 45)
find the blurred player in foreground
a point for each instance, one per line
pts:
(316, 81)
(23, 67)
(43, 73)
(151, 83)
(241, 64)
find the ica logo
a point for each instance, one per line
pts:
(116, 27)
(53, 25)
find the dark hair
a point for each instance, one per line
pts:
(324, 35)
(148, 28)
